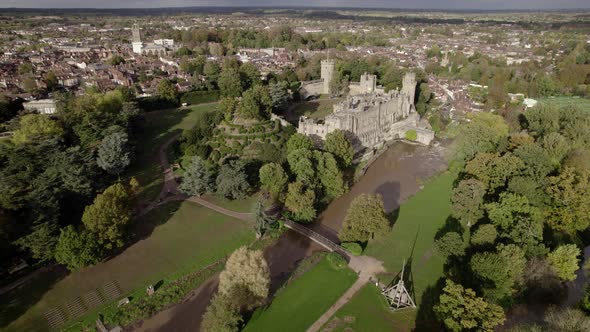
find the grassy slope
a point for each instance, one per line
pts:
(183, 240)
(154, 130)
(369, 310)
(417, 224)
(304, 300)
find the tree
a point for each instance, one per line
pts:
(250, 75)
(556, 147)
(299, 141)
(261, 220)
(569, 210)
(564, 261)
(166, 90)
(330, 176)
(222, 315)
(212, 71)
(301, 164)
(450, 244)
(109, 215)
(232, 181)
(542, 120)
(364, 219)
(198, 178)
(216, 49)
(499, 271)
(273, 179)
(113, 153)
(116, 60)
(484, 234)
(76, 249)
(41, 241)
(517, 219)
(246, 278)
(300, 202)
(228, 106)
(34, 127)
(255, 104)
(462, 310)
(229, 82)
(566, 320)
(467, 201)
(482, 134)
(338, 145)
(279, 95)
(51, 81)
(494, 170)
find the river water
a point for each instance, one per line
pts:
(395, 175)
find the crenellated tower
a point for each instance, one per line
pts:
(409, 86)
(327, 73)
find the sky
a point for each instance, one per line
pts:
(405, 4)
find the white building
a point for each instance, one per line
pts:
(42, 106)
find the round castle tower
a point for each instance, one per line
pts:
(327, 73)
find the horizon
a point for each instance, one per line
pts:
(391, 5)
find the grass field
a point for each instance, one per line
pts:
(176, 239)
(239, 205)
(367, 310)
(303, 300)
(315, 109)
(582, 103)
(411, 239)
(155, 129)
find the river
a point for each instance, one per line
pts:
(395, 175)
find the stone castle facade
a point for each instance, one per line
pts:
(370, 116)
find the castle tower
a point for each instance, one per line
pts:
(409, 86)
(368, 83)
(327, 73)
(136, 39)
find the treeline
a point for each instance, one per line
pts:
(520, 216)
(51, 171)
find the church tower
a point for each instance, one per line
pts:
(409, 86)
(327, 73)
(136, 39)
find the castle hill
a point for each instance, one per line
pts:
(270, 166)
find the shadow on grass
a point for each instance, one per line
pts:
(425, 317)
(451, 225)
(17, 301)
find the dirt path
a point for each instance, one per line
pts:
(367, 267)
(238, 215)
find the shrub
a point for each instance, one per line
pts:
(353, 247)
(411, 135)
(336, 260)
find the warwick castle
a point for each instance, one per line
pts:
(369, 115)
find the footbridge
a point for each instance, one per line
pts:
(317, 238)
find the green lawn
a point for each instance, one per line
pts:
(366, 311)
(177, 238)
(412, 237)
(303, 300)
(315, 109)
(239, 205)
(155, 129)
(582, 103)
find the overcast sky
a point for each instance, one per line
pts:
(409, 4)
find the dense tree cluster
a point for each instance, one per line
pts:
(522, 196)
(54, 168)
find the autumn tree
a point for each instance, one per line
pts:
(564, 261)
(461, 309)
(109, 215)
(569, 210)
(338, 145)
(222, 315)
(300, 202)
(364, 219)
(34, 127)
(246, 278)
(273, 179)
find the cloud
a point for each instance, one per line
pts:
(406, 4)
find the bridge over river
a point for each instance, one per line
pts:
(317, 238)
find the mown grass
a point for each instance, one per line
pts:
(175, 239)
(155, 128)
(367, 310)
(581, 103)
(411, 240)
(298, 305)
